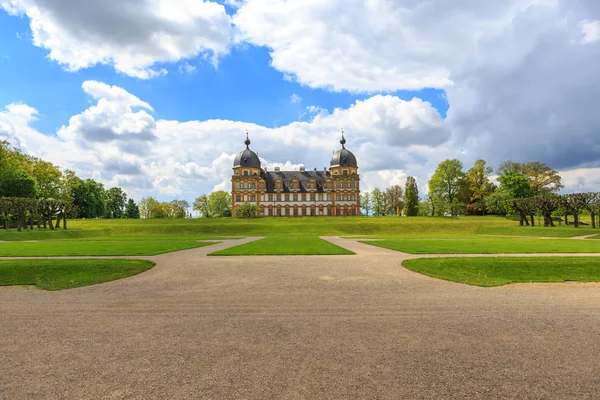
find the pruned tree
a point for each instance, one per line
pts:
(589, 201)
(546, 205)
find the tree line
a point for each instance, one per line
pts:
(35, 191)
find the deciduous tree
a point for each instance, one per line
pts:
(447, 184)
(411, 197)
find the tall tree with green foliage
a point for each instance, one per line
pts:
(515, 184)
(116, 199)
(542, 179)
(132, 211)
(16, 183)
(178, 208)
(90, 199)
(365, 202)
(447, 187)
(202, 205)
(479, 187)
(378, 202)
(393, 200)
(219, 203)
(411, 197)
(147, 206)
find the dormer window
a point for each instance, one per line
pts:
(246, 172)
(345, 172)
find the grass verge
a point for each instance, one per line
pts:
(488, 246)
(285, 246)
(502, 271)
(88, 248)
(67, 274)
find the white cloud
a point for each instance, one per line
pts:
(134, 36)
(369, 46)
(294, 98)
(590, 30)
(119, 142)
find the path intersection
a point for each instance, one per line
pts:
(299, 327)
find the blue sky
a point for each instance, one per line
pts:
(242, 87)
(410, 84)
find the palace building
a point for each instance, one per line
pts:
(333, 191)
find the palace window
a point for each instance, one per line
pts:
(287, 212)
(338, 185)
(238, 198)
(254, 186)
(304, 197)
(287, 197)
(252, 198)
(246, 172)
(295, 197)
(320, 196)
(270, 197)
(345, 172)
(237, 185)
(312, 197)
(337, 197)
(278, 197)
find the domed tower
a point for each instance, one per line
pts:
(343, 170)
(247, 181)
(247, 160)
(343, 161)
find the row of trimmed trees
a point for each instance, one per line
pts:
(27, 212)
(548, 205)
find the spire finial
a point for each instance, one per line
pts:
(247, 142)
(343, 141)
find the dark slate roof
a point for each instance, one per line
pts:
(343, 158)
(287, 176)
(247, 158)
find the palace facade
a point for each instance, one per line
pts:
(333, 191)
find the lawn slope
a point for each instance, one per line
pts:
(303, 245)
(488, 246)
(90, 248)
(501, 271)
(66, 274)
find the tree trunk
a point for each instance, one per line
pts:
(566, 219)
(550, 219)
(50, 223)
(31, 222)
(532, 220)
(58, 218)
(44, 221)
(576, 218)
(521, 221)
(64, 220)
(593, 215)
(38, 223)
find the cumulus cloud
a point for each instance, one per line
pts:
(368, 46)
(133, 36)
(185, 159)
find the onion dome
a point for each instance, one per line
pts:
(247, 158)
(343, 157)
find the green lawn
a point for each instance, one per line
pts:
(217, 228)
(66, 274)
(285, 246)
(504, 270)
(89, 248)
(488, 246)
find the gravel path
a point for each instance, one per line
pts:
(318, 327)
